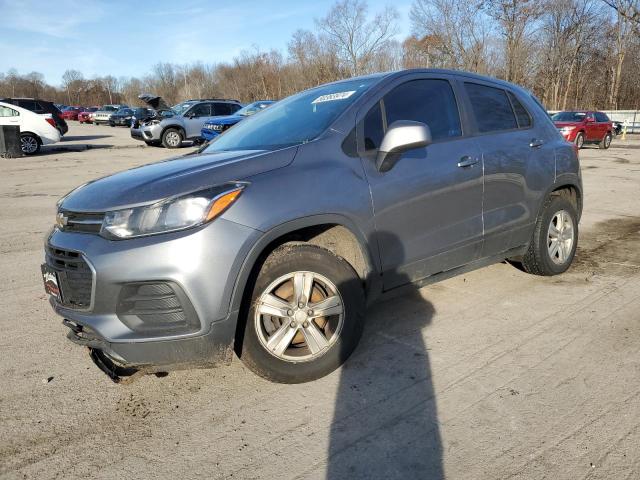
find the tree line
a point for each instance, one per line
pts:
(569, 53)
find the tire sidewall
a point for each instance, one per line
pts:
(557, 204)
(315, 259)
(580, 142)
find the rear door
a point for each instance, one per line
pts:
(517, 162)
(603, 123)
(9, 116)
(428, 207)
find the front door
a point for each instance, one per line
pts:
(195, 118)
(428, 207)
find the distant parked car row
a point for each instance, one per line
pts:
(196, 120)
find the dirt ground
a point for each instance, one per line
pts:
(492, 375)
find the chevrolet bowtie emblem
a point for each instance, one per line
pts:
(61, 220)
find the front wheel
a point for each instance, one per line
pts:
(579, 140)
(306, 315)
(606, 141)
(172, 138)
(554, 240)
(29, 144)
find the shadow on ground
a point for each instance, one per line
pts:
(385, 424)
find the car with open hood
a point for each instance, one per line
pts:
(217, 125)
(184, 121)
(126, 116)
(272, 239)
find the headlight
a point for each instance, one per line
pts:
(217, 127)
(178, 213)
(567, 130)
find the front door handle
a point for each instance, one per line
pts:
(535, 143)
(467, 161)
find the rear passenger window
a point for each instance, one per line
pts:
(601, 117)
(222, 109)
(523, 117)
(491, 108)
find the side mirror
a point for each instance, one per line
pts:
(402, 135)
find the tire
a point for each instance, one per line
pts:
(336, 334)
(29, 143)
(112, 125)
(605, 143)
(540, 258)
(172, 138)
(579, 141)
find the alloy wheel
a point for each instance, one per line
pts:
(299, 316)
(28, 144)
(560, 237)
(173, 139)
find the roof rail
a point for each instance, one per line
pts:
(213, 99)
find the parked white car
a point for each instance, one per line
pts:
(35, 130)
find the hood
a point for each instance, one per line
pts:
(225, 120)
(178, 176)
(567, 124)
(155, 102)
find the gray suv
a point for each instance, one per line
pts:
(272, 239)
(172, 125)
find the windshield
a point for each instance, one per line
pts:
(568, 117)
(109, 108)
(125, 111)
(294, 120)
(253, 108)
(180, 108)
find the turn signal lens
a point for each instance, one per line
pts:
(223, 202)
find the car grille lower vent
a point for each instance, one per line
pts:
(156, 307)
(74, 276)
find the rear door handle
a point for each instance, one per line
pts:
(535, 143)
(467, 161)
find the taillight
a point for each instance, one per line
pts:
(51, 121)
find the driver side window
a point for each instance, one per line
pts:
(428, 101)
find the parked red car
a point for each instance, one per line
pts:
(71, 113)
(83, 116)
(582, 127)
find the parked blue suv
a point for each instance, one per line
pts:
(217, 125)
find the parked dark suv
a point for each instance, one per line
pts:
(273, 238)
(41, 106)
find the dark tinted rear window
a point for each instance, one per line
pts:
(222, 109)
(491, 108)
(601, 117)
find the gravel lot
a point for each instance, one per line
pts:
(492, 375)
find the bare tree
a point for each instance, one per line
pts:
(622, 31)
(357, 40)
(515, 20)
(449, 34)
(71, 82)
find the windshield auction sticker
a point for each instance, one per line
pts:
(334, 96)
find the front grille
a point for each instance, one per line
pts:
(156, 306)
(74, 276)
(82, 222)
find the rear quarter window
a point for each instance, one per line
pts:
(522, 115)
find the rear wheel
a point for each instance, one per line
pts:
(172, 138)
(606, 141)
(579, 141)
(306, 315)
(554, 240)
(29, 143)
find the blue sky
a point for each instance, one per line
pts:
(125, 38)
